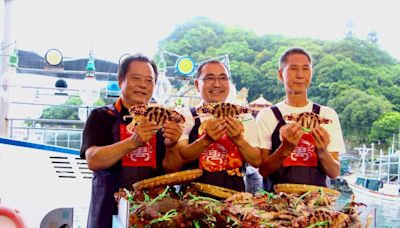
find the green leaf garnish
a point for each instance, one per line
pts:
(322, 223)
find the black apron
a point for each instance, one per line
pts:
(108, 181)
(221, 178)
(293, 174)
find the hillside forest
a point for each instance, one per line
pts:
(354, 76)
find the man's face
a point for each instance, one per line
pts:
(138, 86)
(213, 83)
(296, 74)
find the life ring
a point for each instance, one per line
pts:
(12, 215)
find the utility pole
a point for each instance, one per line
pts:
(6, 49)
(7, 44)
(398, 144)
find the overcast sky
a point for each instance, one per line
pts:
(115, 27)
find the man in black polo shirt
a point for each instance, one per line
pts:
(118, 158)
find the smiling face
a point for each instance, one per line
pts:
(138, 85)
(213, 83)
(296, 74)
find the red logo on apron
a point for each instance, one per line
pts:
(142, 156)
(221, 155)
(303, 154)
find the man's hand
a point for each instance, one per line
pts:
(144, 132)
(234, 129)
(215, 129)
(291, 133)
(171, 132)
(322, 139)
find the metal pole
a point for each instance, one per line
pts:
(388, 176)
(6, 49)
(394, 137)
(7, 46)
(363, 153)
(380, 163)
(372, 159)
(398, 143)
(398, 168)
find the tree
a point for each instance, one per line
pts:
(357, 110)
(383, 129)
(356, 77)
(65, 112)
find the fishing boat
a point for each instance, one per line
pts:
(378, 177)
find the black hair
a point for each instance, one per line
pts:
(213, 61)
(291, 51)
(124, 65)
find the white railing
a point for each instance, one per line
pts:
(64, 133)
(384, 167)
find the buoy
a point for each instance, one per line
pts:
(10, 218)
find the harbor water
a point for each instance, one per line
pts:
(387, 214)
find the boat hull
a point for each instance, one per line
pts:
(37, 179)
(361, 192)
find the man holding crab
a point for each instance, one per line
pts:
(121, 157)
(293, 153)
(219, 145)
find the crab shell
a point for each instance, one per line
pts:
(307, 120)
(222, 109)
(141, 113)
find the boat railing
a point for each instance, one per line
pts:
(63, 133)
(379, 166)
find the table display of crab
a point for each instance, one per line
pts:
(156, 203)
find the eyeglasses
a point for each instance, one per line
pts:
(212, 80)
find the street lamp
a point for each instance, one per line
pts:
(162, 91)
(61, 93)
(89, 92)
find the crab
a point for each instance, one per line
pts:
(308, 120)
(220, 109)
(142, 113)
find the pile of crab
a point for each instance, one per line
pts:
(196, 205)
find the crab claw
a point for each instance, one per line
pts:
(130, 127)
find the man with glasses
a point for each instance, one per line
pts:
(219, 146)
(118, 158)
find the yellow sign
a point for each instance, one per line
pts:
(53, 57)
(185, 65)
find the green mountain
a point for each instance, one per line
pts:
(355, 77)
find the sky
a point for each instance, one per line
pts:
(113, 28)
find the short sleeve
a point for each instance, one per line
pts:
(266, 123)
(97, 130)
(250, 130)
(335, 131)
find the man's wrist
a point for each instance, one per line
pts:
(323, 152)
(205, 140)
(287, 148)
(133, 143)
(239, 140)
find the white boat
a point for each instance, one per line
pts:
(365, 192)
(46, 186)
(377, 180)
